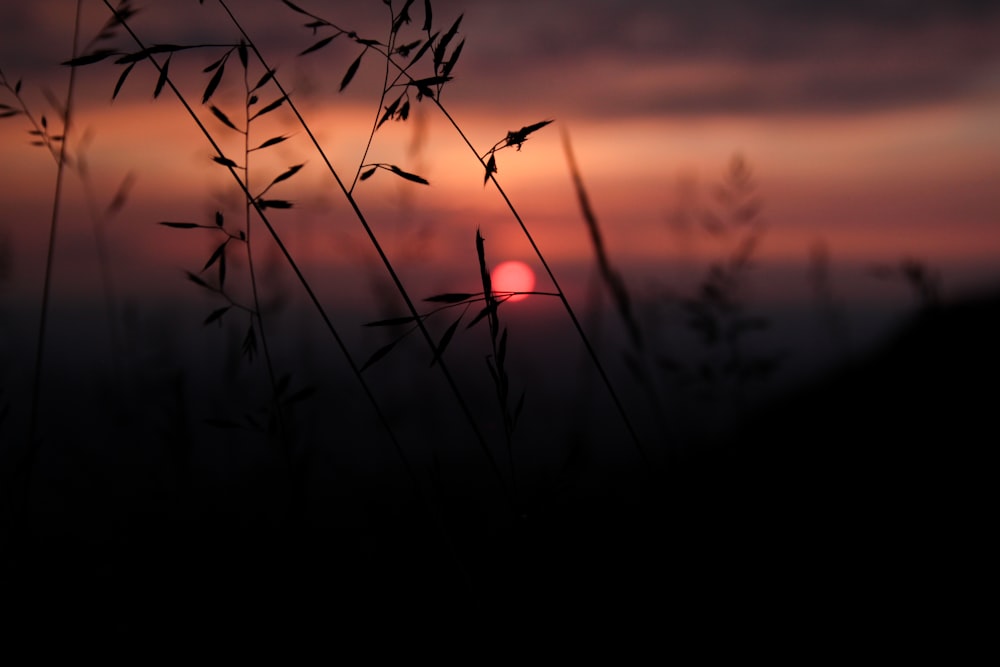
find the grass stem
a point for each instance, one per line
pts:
(31, 452)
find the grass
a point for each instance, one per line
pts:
(56, 145)
(268, 489)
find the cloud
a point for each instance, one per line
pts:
(618, 59)
(734, 57)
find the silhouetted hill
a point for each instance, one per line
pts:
(918, 411)
(871, 487)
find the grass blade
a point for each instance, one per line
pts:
(223, 118)
(319, 45)
(380, 353)
(288, 173)
(351, 71)
(162, 79)
(213, 83)
(408, 176)
(121, 80)
(445, 339)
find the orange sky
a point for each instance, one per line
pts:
(911, 175)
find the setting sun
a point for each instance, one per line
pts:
(513, 276)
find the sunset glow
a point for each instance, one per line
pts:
(907, 171)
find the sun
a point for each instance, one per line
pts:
(513, 276)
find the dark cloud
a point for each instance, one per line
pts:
(787, 56)
(625, 58)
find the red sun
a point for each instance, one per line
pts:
(513, 276)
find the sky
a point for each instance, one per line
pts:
(870, 128)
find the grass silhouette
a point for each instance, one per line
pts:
(249, 510)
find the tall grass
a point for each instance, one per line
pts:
(419, 65)
(418, 68)
(264, 93)
(436, 47)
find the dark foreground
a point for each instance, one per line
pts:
(857, 508)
